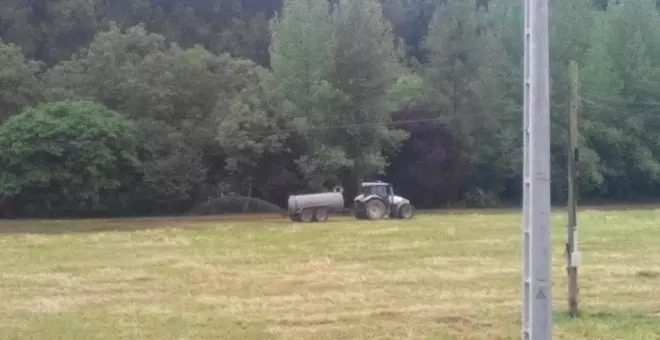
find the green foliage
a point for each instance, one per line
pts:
(67, 157)
(266, 98)
(249, 129)
(177, 95)
(104, 70)
(331, 68)
(470, 72)
(19, 86)
(173, 169)
(367, 67)
(303, 49)
(625, 61)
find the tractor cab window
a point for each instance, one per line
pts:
(379, 190)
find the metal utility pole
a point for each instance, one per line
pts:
(537, 300)
(573, 257)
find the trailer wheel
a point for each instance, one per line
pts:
(320, 215)
(307, 215)
(375, 209)
(405, 211)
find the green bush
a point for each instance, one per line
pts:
(65, 158)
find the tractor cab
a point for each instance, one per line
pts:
(380, 189)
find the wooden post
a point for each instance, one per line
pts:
(573, 257)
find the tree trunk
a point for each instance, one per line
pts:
(248, 198)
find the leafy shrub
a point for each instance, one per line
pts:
(66, 157)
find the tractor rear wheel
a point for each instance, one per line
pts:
(307, 215)
(320, 215)
(405, 212)
(375, 209)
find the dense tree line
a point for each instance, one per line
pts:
(167, 106)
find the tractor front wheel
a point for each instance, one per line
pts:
(376, 209)
(406, 211)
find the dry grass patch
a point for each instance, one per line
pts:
(442, 276)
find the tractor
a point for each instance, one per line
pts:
(377, 201)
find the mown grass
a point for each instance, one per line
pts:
(443, 276)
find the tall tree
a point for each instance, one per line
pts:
(19, 86)
(600, 78)
(569, 39)
(496, 154)
(468, 70)
(620, 96)
(303, 62)
(334, 67)
(249, 131)
(366, 69)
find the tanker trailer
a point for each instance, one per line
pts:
(315, 207)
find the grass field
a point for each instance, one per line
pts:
(443, 276)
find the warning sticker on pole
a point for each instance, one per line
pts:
(541, 295)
